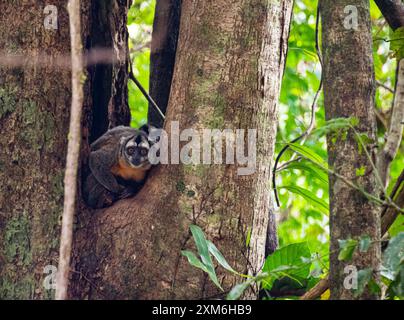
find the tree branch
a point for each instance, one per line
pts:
(393, 12)
(393, 140)
(73, 151)
(313, 108)
(389, 214)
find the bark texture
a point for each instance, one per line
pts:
(34, 116)
(393, 12)
(349, 92)
(108, 80)
(166, 27)
(228, 71)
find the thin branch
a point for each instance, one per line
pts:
(388, 217)
(144, 92)
(393, 12)
(313, 112)
(380, 84)
(287, 163)
(379, 179)
(317, 290)
(390, 214)
(73, 152)
(395, 133)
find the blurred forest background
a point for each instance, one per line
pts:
(303, 215)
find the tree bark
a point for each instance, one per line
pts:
(349, 92)
(166, 28)
(35, 95)
(228, 71)
(34, 115)
(393, 12)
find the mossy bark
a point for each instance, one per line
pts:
(166, 27)
(35, 109)
(229, 65)
(34, 114)
(349, 88)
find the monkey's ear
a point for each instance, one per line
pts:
(145, 128)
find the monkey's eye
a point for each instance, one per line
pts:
(144, 152)
(130, 150)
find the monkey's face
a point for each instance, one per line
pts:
(136, 151)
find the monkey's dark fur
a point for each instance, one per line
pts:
(118, 165)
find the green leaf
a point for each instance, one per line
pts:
(397, 42)
(248, 238)
(393, 258)
(193, 260)
(309, 196)
(360, 172)
(336, 125)
(315, 171)
(202, 246)
(347, 248)
(290, 261)
(236, 292)
(397, 226)
(364, 276)
(364, 243)
(219, 257)
(308, 154)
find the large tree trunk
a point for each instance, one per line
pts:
(228, 71)
(349, 92)
(34, 114)
(166, 27)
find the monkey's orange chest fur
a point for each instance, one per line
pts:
(123, 170)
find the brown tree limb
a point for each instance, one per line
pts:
(382, 85)
(73, 152)
(395, 133)
(388, 216)
(393, 12)
(163, 48)
(317, 290)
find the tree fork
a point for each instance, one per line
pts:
(135, 247)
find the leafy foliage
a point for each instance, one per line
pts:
(303, 178)
(140, 21)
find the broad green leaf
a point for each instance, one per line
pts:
(397, 226)
(347, 248)
(364, 243)
(309, 196)
(193, 260)
(360, 172)
(308, 154)
(378, 66)
(236, 292)
(248, 238)
(364, 276)
(219, 257)
(397, 42)
(288, 260)
(334, 125)
(202, 246)
(393, 258)
(314, 170)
